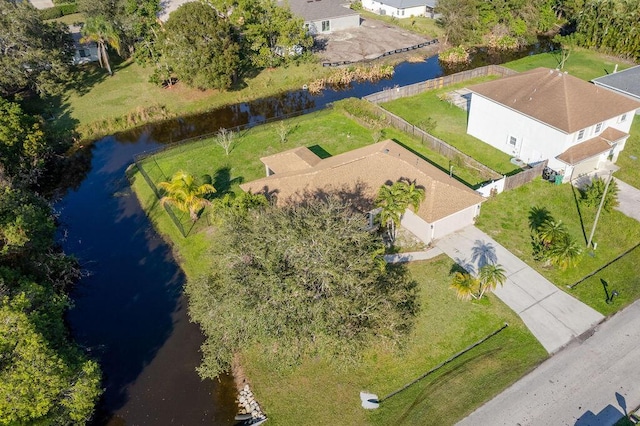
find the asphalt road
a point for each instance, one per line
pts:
(590, 383)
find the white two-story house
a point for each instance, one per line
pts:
(546, 114)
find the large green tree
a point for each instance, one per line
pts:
(304, 279)
(201, 47)
(34, 55)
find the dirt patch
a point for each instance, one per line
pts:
(370, 40)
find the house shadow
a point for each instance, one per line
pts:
(319, 151)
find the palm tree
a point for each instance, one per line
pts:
(490, 276)
(394, 200)
(102, 32)
(564, 252)
(186, 194)
(551, 231)
(465, 285)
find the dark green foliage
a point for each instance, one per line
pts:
(551, 241)
(592, 194)
(612, 25)
(299, 280)
(58, 11)
(34, 55)
(201, 47)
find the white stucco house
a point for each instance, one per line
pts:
(546, 114)
(401, 8)
(325, 16)
(358, 175)
(84, 52)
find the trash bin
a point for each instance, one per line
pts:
(558, 180)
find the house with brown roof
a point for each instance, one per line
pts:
(357, 175)
(546, 114)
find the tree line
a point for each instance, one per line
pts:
(610, 25)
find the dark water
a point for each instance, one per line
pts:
(129, 311)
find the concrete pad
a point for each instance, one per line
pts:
(533, 283)
(511, 294)
(550, 332)
(629, 199)
(578, 317)
(41, 4)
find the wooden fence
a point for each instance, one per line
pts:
(438, 145)
(524, 177)
(436, 83)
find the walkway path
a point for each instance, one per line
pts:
(553, 316)
(629, 199)
(591, 383)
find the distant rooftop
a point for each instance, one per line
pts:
(404, 4)
(315, 10)
(626, 81)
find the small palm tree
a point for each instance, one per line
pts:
(102, 32)
(564, 253)
(465, 285)
(489, 277)
(551, 231)
(186, 194)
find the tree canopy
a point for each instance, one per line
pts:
(299, 280)
(34, 55)
(201, 47)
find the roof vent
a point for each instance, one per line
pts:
(386, 150)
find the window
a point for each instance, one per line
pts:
(581, 134)
(402, 12)
(325, 26)
(598, 127)
(623, 118)
(83, 53)
(513, 140)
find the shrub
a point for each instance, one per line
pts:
(58, 11)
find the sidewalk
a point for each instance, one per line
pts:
(629, 199)
(553, 316)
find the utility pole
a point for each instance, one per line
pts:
(604, 195)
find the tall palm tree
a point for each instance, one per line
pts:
(465, 285)
(489, 277)
(186, 194)
(102, 32)
(551, 231)
(394, 200)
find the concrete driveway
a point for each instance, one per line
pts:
(629, 199)
(41, 4)
(554, 317)
(594, 382)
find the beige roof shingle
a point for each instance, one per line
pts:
(294, 159)
(369, 168)
(557, 99)
(592, 147)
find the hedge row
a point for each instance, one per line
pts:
(59, 11)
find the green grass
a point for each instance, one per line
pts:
(70, 19)
(451, 124)
(505, 218)
(417, 24)
(629, 159)
(98, 96)
(320, 392)
(584, 64)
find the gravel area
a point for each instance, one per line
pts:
(370, 40)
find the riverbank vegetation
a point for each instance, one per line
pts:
(44, 377)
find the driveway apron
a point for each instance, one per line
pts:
(629, 200)
(552, 316)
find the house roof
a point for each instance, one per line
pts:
(403, 4)
(367, 169)
(315, 10)
(76, 35)
(625, 81)
(592, 147)
(288, 161)
(556, 98)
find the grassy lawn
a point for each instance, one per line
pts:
(74, 18)
(584, 64)
(97, 96)
(417, 24)
(451, 124)
(505, 218)
(629, 159)
(320, 392)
